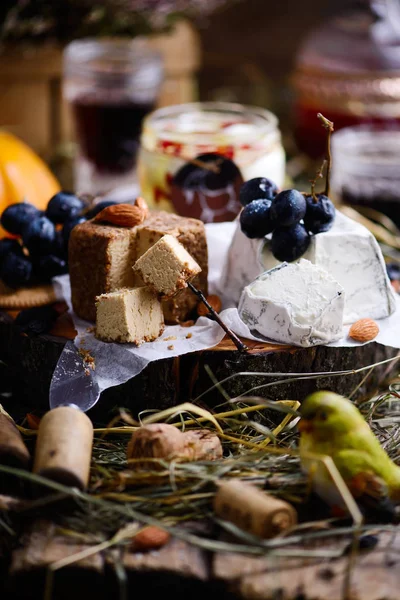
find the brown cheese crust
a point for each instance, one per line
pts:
(101, 259)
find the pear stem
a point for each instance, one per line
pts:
(329, 127)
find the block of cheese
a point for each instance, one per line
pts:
(167, 266)
(129, 315)
(348, 252)
(101, 256)
(295, 303)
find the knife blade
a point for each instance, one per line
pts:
(63, 446)
(72, 383)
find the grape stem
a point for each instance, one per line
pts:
(329, 127)
(319, 174)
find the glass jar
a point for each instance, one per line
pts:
(110, 85)
(365, 169)
(173, 135)
(349, 70)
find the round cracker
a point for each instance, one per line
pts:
(26, 297)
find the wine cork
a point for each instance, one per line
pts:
(158, 440)
(64, 447)
(13, 451)
(202, 444)
(253, 510)
(161, 440)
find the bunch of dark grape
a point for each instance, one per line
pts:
(289, 215)
(39, 249)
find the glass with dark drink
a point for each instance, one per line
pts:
(366, 168)
(110, 85)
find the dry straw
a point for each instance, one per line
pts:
(256, 449)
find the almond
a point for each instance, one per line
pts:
(124, 215)
(214, 301)
(364, 330)
(150, 538)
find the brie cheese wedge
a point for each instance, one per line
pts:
(295, 303)
(348, 252)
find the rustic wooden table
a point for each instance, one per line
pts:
(182, 568)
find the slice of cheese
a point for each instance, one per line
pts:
(129, 315)
(295, 303)
(348, 252)
(167, 266)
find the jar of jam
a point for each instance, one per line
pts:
(249, 137)
(349, 70)
(365, 169)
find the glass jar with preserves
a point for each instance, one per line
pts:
(174, 135)
(365, 169)
(348, 68)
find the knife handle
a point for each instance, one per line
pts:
(64, 447)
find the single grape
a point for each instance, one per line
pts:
(16, 216)
(38, 236)
(290, 243)
(258, 188)
(8, 245)
(64, 206)
(15, 270)
(319, 215)
(288, 207)
(255, 219)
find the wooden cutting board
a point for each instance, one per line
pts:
(171, 381)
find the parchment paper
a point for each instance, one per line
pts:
(116, 363)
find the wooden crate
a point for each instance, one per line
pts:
(31, 104)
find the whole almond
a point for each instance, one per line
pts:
(150, 538)
(124, 215)
(364, 330)
(214, 301)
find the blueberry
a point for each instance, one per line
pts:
(68, 227)
(47, 267)
(17, 216)
(98, 208)
(289, 243)
(15, 270)
(255, 219)
(39, 236)
(259, 188)
(288, 207)
(64, 206)
(393, 271)
(8, 245)
(319, 215)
